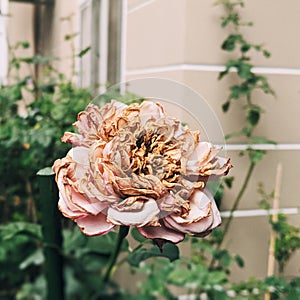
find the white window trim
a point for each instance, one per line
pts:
(211, 68)
(83, 4)
(140, 5)
(103, 45)
(123, 65)
(3, 42)
(103, 40)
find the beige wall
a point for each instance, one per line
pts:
(166, 33)
(20, 29)
(195, 39)
(55, 28)
(65, 21)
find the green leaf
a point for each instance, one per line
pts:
(12, 229)
(239, 260)
(70, 36)
(43, 60)
(47, 88)
(36, 259)
(27, 60)
(217, 190)
(260, 140)
(266, 53)
(228, 181)
(246, 47)
(216, 278)
(137, 236)
(247, 130)
(236, 92)
(230, 43)
(224, 258)
(264, 204)
(253, 116)
(45, 172)
(244, 70)
(169, 251)
(103, 245)
(84, 51)
(16, 93)
(32, 290)
(180, 276)
(23, 44)
(256, 155)
(225, 106)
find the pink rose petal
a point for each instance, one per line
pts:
(68, 209)
(161, 232)
(135, 218)
(193, 228)
(150, 110)
(200, 218)
(94, 225)
(88, 205)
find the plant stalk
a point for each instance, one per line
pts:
(52, 234)
(123, 231)
(238, 199)
(234, 207)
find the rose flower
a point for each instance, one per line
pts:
(134, 165)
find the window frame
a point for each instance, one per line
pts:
(97, 14)
(108, 29)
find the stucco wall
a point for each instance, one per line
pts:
(195, 42)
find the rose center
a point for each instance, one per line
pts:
(154, 155)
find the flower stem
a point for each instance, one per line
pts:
(123, 231)
(238, 199)
(234, 207)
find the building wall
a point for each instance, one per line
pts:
(180, 40)
(20, 29)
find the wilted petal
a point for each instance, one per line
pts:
(107, 149)
(94, 188)
(221, 166)
(146, 215)
(203, 215)
(79, 155)
(200, 206)
(94, 225)
(66, 207)
(72, 138)
(161, 232)
(150, 110)
(88, 205)
(204, 162)
(64, 169)
(202, 155)
(216, 220)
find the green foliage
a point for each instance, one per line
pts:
(17, 263)
(30, 140)
(168, 250)
(248, 80)
(243, 90)
(287, 240)
(34, 114)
